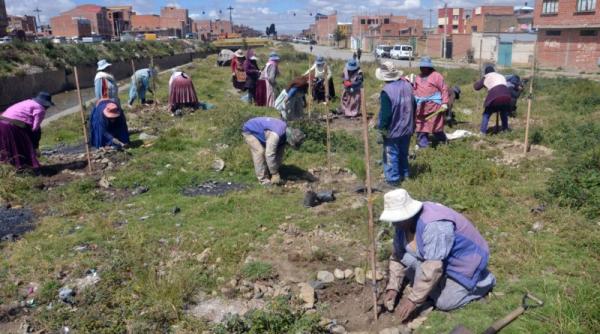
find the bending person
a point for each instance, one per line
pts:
(108, 127)
(140, 84)
(498, 99)
(182, 92)
(317, 73)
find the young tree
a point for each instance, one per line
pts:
(338, 36)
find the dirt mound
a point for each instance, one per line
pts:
(212, 188)
(513, 153)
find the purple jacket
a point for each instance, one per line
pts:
(258, 125)
(400, 93)
(28, 112)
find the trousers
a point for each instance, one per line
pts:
(267, 159)
(395, 159)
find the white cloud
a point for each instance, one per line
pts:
(48, 8)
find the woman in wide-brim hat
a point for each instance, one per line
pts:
(321, 74)
(105, 85)
(20, 131)
(269, 76)
(108, 126)
(238, 75)
(353, 82)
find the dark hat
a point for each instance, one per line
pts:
(489, 69)
(294, 137)
(45, 99)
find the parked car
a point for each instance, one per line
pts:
(383, 51)
(5, 40)
(59, 40)
(402, 52)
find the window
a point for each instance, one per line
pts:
(455, 27)
(550, 7)
(455, 17)
(386, 21)
(362, 21)
(474, 28)
(369, 21)
(588, 33)
(552, 32)
(586, 6)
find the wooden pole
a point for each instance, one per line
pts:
(480, 67)
(85, 137)
(132, 67)
(310, 97)
(372, 257)
(529, 101)
(326, 86)
(153, 82)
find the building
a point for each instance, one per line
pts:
(120, 17)
(345, 30)
(25, 23)
(369, 31)
(70, 23)
(568, 34)
(209, 30)
(69, 26)
(492, 19)
(524, 16)
(3, 19)
(145, 23)
(325, 26)
(176, 18)
(453, 20)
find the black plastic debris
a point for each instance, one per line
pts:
(212, 188)
(312, 199)
(15, 222)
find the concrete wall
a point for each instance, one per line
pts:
(522, 53)
(18, 88)
(489, 52)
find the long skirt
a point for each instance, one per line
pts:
(318, 92)
(433, 125)
(270, 94)
(182, 92)
(294, 108)
(260, 95)
(350, 106)
(240, 85)
(17, 146)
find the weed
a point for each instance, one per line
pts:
(257, 270)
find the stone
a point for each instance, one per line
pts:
(147, 137)
(337, 329)
(378, 275)
(104, 183)
(348, 273)
(218, 165)
(307, 295)
(203, 257)
(325, 276)
(391, 330)
(537, 226)
(339, 274)
(359, 274)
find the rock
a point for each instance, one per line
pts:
(218, 165)
(339, 274)
(325, 276)
(92, 278)
(66, 294)
(203, 257)
(378, 275)
(348, 273)
(337, 329)
(391, 330)
(307, 295)
(359, 274)
(104, 183)
(139, 190)
(537, 226)
(358, 203)
(147, 137)
(216, 309)
(316, 284)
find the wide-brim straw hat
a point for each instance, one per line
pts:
(387, 71)
(239, 53)
(320, 60)
(111, 110)
(398, 206)
(103, 64)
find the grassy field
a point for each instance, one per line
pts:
(148, 267)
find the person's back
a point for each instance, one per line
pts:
(400, 93)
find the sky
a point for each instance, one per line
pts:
(260, 13)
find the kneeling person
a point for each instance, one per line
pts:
(267, 137)
(108, 126)
(437, 250)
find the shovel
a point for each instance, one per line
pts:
(501, 323)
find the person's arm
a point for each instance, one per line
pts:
(312, 68)
(357, 83)
(479, 84)
(38, 114)
(385, 112)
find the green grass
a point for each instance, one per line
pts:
(148, 268)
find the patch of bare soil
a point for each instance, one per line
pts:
(513, 153)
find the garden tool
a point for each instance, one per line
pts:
(499, 324)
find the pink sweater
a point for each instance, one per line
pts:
(28, 112)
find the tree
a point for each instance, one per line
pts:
(338, 35)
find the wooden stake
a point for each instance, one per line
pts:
(480, 67)
(310, 97)
(326, 86)
(372, 252)
(529, 101)
(132, 67)
(83, 125)
(153, 83)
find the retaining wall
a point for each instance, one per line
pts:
(18, 88)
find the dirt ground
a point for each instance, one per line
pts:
(513, 153)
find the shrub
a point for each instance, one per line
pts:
(258, 270)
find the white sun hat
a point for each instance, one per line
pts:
(387, 71)
(399, 206)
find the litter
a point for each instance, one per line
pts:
(458, 134)
(212, 188)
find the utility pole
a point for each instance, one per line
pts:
(430, 16)
(230, 17)
(38, 23)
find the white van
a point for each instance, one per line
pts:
(402, 52)
(383, 51)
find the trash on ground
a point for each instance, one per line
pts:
(212, 188)
(458, 134)
(14, 222)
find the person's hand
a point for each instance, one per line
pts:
(389, 301)
(444, 107)
(405, 308)
(117, 142)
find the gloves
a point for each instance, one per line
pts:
(405, 308)
(397, 271)
(276, 179)
(389, 300)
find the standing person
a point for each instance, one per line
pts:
(252, 74)
(431, 94)
(238, 74)
(108, 126)
(20, 131)
(311, 48)
(436, 249)
(317, 73)
(267, 137)
(182, 92)
(498, 99)
(353, 81)
(515, 86)
(269, 74)
(140, 83)
(105, 85)
(359, 53)
(396, 122)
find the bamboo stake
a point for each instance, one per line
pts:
(372, 254)
(326, 86)
(153, 83)
(85, 137)
(310, 98)
(529, 101)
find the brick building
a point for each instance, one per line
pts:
(120, 17)
(568, 34)
(175, 18)
(492, 19)
(145, 23)
(209, 30)
(71, 22)
(369, 31)
(3, 19)
(453, 19)
(325, 26)
(69, 26)
(25, 23)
